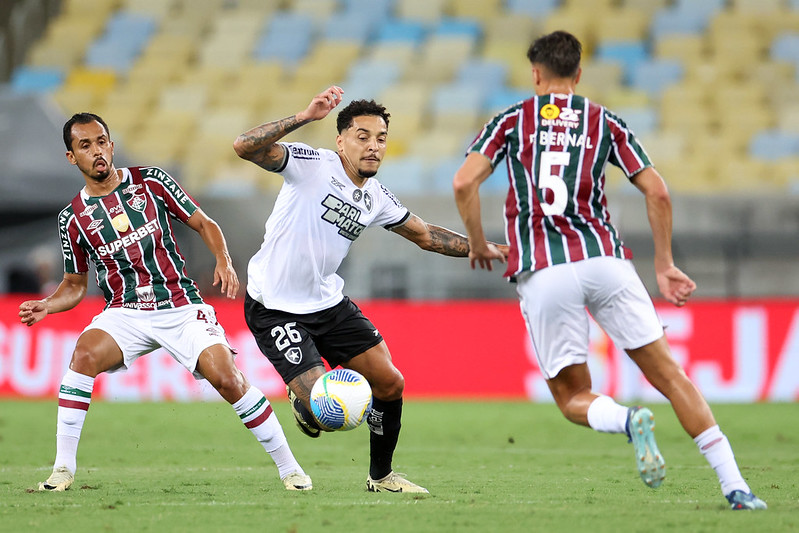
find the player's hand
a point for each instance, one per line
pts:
(32, 311)
(482, 256)
(675, 285)
(225, 276)
(322, 104)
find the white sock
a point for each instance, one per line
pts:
(74, 398)
(605, 415)
(713, 444)
(254, 410)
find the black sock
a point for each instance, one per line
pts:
(384, 428)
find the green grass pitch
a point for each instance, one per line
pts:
(490, 466)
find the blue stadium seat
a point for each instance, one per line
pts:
(771, 145)
(119, 46)
(536, 8)
(654, 76)
(670, 21)
(458, 98)
(371, 74)
(355, 26)
(504, 98)
(458, 27)
(642, 120)
(404, 175)
(36, 79)
(395, 30)
(488, 74)
(629, 54)
(785, 47)
(287, 38)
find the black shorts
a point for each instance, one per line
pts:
(296, 343)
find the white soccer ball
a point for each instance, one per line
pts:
(341, 399)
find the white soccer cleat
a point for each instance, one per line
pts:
(297, 481)
(393, 483)
(60, 480)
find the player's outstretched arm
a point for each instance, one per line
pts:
(441, 240)
(67, 295)
(224, 273)
(259, 144)
(674, 285)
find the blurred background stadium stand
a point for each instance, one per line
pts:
(710, 86)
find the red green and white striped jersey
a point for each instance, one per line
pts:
(128, 237)
(557, 147)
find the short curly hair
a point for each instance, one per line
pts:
(360, 108)
(559, 51)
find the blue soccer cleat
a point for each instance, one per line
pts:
(649, 461)
(745, 501)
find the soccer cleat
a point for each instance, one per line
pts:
(393, 482)
(297, 408)
(649, 461)
(60, 480)
(297, 481)
(745, 501)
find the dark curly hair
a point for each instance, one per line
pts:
(360, 108)
(81, 118)
(559, 52)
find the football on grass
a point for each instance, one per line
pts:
(341, 399)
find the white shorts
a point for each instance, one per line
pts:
(183, 331)
(554, 302)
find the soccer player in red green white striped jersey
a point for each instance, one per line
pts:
(121, 222)
(566, 256)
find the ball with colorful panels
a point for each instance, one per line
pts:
(341, 399)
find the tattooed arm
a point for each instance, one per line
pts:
(259, 144)
(437, 239)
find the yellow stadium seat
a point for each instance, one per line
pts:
(75, 100)
(420, 10)
(517, 28)
(686, 48)
(98, 82)
(477, 9)
(620, 25)
(440, 57)
(186, 97)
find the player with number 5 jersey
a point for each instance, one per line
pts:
(556, 148)
(567, 257)
(121, 222)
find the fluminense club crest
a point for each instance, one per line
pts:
(138, 202)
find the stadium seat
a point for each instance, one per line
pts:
(404, 175)
(287, 38)
(786, 48)
(537, 9)
(674, 21)
(422, 12)
(486, 74)
(621, 24)
(402, 31)
(642, 121)
(36, 79)
(357, 27)
(629, 54)
(504, 98)
(771, 145)
(653, 76)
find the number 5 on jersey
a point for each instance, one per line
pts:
(548, 180)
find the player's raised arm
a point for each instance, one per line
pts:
(259, 144)
(67, 295)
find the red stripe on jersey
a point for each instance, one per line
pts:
(72, 404)
(260, 419)
(165, 265)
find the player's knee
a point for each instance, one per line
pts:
(231, 384)
(389, 387)
(86, 360)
